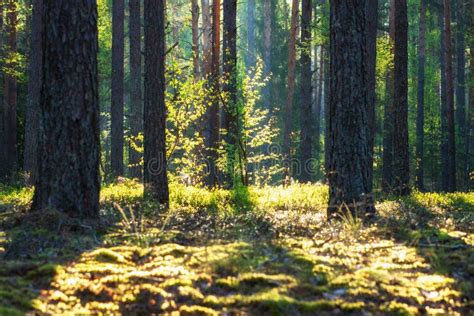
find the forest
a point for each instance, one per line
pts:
(224, 157)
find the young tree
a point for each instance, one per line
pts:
(306, 115)
(349, 154)
(420, 117)
(155, 174)
(30, 159)
(8, 110)
(451, 146)
(136, 104)
(230, 86)
(401, 166)
(288, 116)
(68, 177)
(195, 36)
(388, 127)
(116, 115)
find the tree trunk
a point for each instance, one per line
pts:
(461, 86)
(230, 86)
(388, 127)
(8, 132)
(288, 120)
(155, 173)
(136, 103)
(401, 166)
(68, 178)
(451, 145)
(251, 33)
(469, 126)
(267, 51)
(206, 38)
(443, 105)
(349, 154)
(318, 105)
(372, 26)
(195, 36)
(213, 111)
(306, 115)
(116, 117)
(420, 117)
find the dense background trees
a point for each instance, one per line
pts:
(246, 88)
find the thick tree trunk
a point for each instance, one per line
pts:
(136, 103)
(443, 105)
(195, 36)
(451, 145)
(68, 178)
(155, 173)
(349, 154)
(288, 120)
(230, 86)
(251, 34)
(420, 117)
(8, 128)
(372, 26)
(267, 51)
(461, 86)
(116, 155)
(388, 126)
(306, 115)
(401, 166)
(213, 111)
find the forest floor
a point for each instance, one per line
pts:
(249, 251)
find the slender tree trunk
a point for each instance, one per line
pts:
(371, 28)
(8, 132)
(443, 105)
(155, 173)
(136, 102)
(195, 36)
(451, 145)
(251, 33)
(267, 51)
(318, 105)
(306, 115)
(461, 85)
(469, 126)
(230, 86)
(388, 127)
(206, 38)
(213, 117)
(401, 166)
(349, 153)
(68, 178)
(420, 117)
(34, 90)
(288, 121)
(116, 155)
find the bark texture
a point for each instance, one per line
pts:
(136, 101)
(349, 154)
(155, 173)
(195, 36)
(116, 115)
(306, 113)
(443, 104)
(68, 178)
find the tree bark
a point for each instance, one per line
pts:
(401, 166)
(443, 104)
(451, 145)
(116, 155)
(230, 86)
(155, 173)
(8, 132)
(319, 104)
(349, 154)
(469, 126)
(420, 117)
(306, 115)
(288, 120)
(267, 51)
(136, 102)
(461, 85)
(68, 178)
(195, 36)
(251, 33)
(388, 126)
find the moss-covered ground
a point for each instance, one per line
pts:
(248, 251)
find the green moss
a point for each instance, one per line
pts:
(107, 255)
